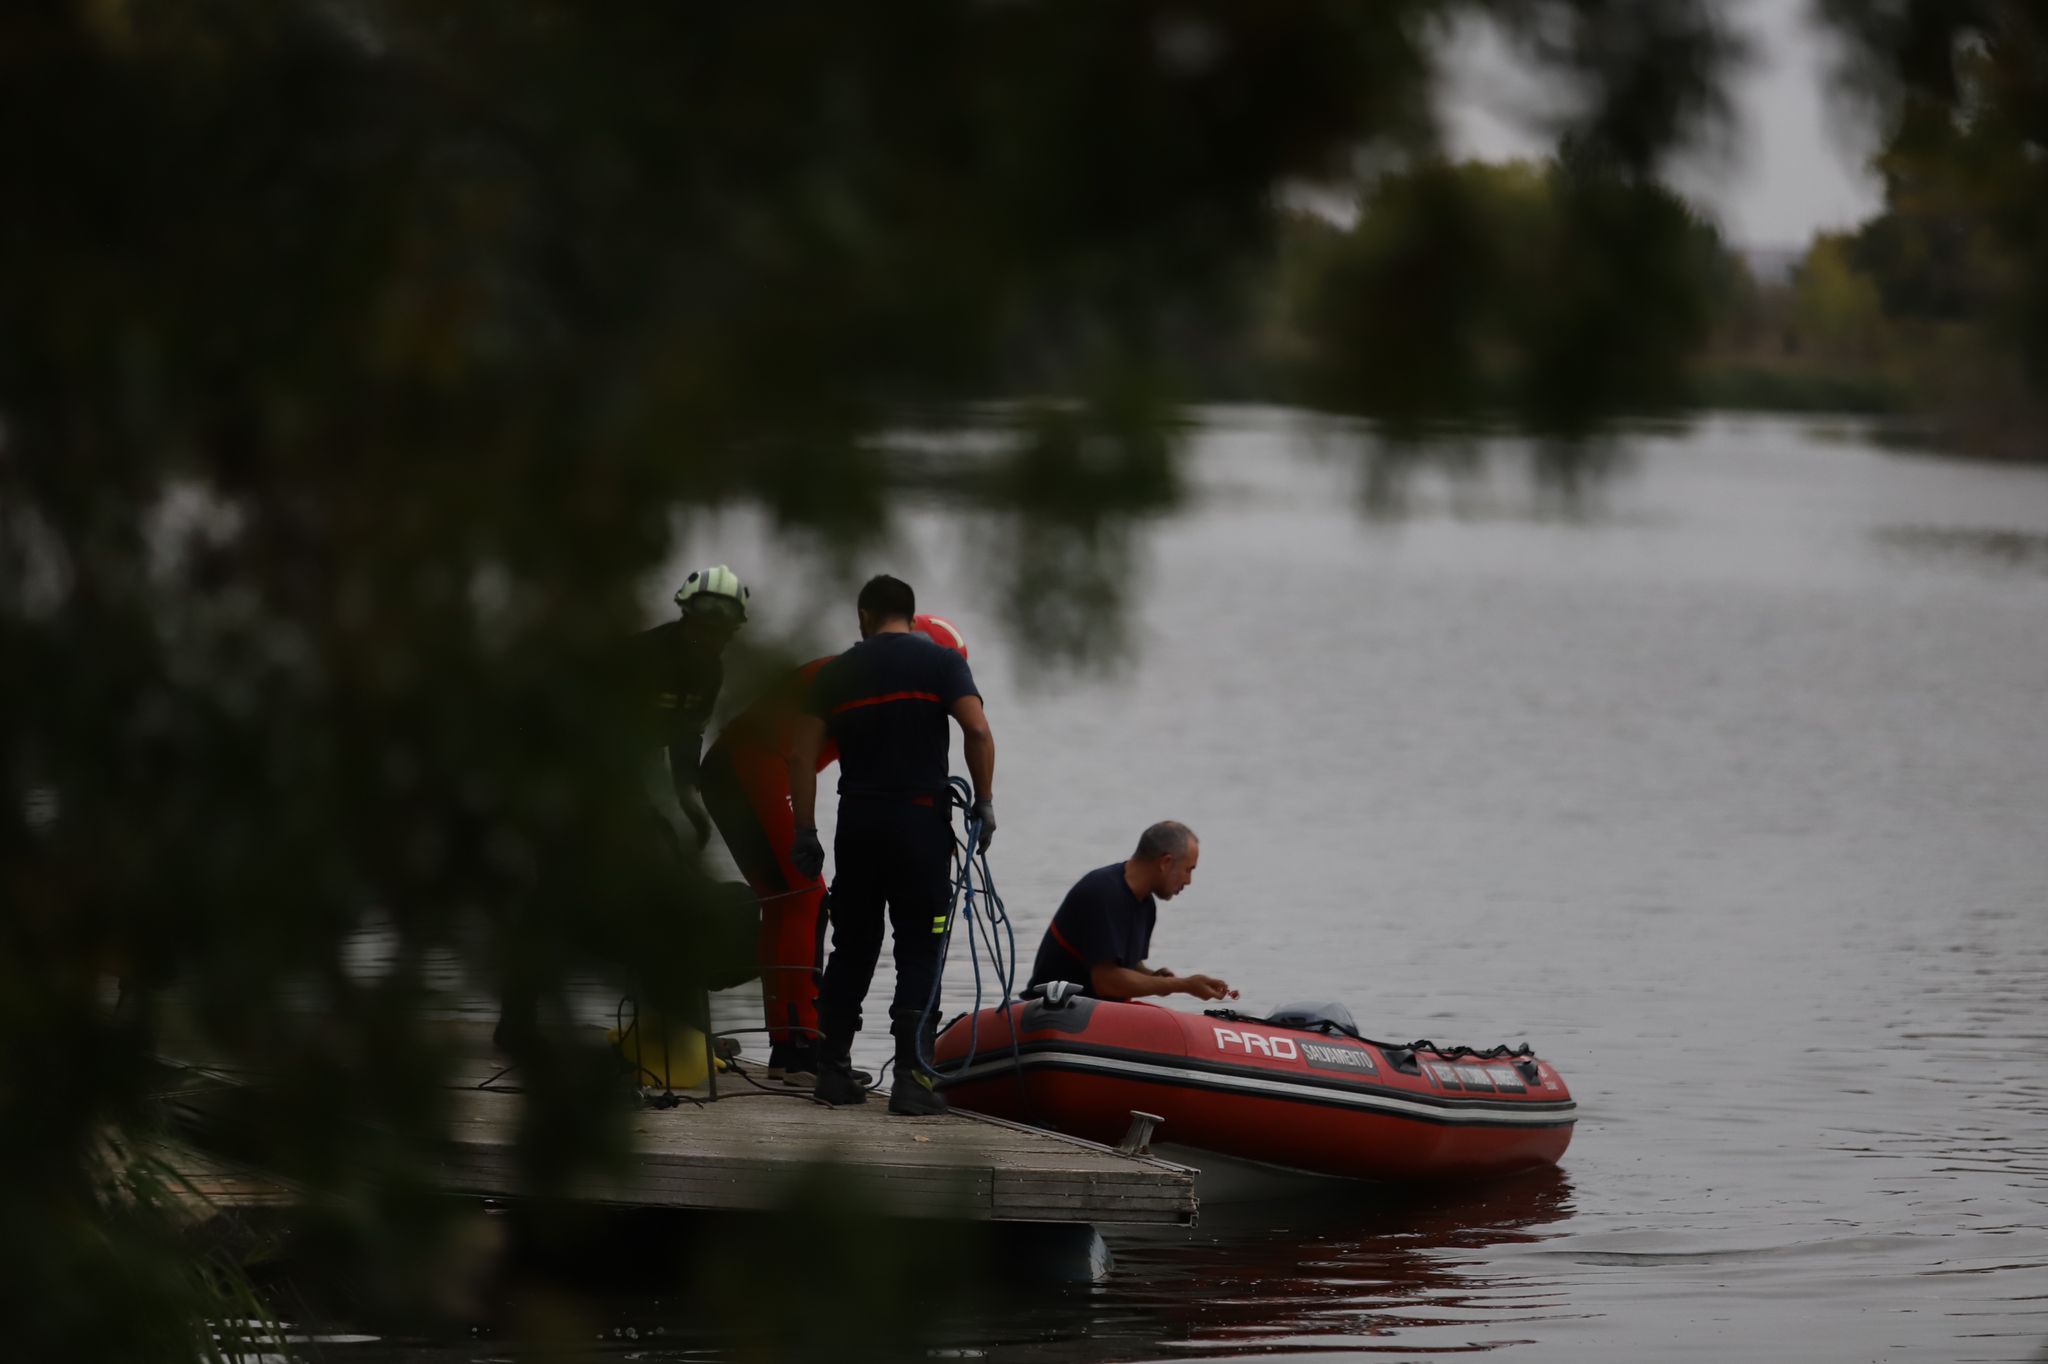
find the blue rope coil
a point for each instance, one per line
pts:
(972, 882)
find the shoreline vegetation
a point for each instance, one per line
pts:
(1898, 318)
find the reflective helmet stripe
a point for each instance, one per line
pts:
(716, 581)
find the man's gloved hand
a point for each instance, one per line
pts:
(807, 854)
(985, 811)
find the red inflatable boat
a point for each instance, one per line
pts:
(1298, 1089)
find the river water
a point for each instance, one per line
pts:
(1725, 787)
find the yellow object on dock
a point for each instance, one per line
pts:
(662, 1055)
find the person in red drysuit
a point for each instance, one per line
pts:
(745, 784)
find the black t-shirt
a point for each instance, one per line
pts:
(674, 686)
(885, 702)
(1099, 921)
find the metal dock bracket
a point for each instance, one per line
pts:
(1138, 1138)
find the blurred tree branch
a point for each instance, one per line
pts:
(355, 354)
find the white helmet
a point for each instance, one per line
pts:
(714, 591)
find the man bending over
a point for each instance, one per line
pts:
(1102, 933)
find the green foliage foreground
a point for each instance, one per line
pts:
(355, 356)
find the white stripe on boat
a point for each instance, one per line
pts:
(1470, 1116)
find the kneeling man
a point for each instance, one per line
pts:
(1103, 931)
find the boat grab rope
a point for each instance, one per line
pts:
(1499, 1052)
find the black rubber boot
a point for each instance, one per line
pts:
(912, 1095)
(801, 1067)
(837, 1083)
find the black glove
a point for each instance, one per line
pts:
(985, 811)
(807, 854)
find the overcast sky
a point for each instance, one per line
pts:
(1797, 163)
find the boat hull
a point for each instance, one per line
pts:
(1302, 1100)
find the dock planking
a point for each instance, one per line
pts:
(746, 1151)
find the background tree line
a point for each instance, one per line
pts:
(1437, 297)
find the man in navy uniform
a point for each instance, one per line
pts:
(886, 703)
(1102, 933)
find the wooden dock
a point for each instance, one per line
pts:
(746, 1150)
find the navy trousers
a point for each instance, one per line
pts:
(891, 856)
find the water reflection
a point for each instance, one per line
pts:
(1305, 1268)
(1474, 471)
(1994, 551)
(1329, 1267)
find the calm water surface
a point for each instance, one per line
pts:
(1727, 791)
